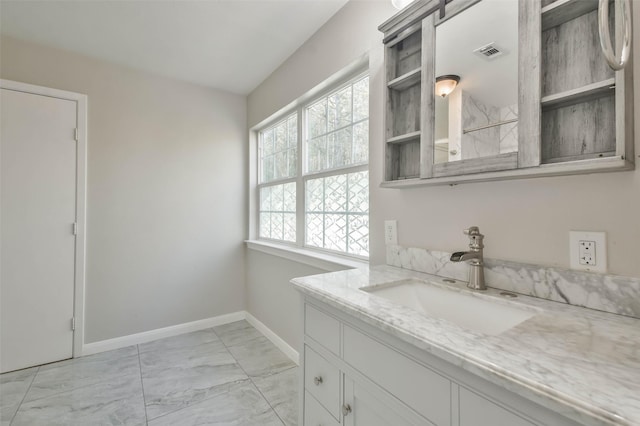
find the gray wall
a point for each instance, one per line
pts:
(270, 296)
(523, 220)
(349, 35)
(166, 181)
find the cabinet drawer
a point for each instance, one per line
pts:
(427, 392)
(315, 414)
(322, 380)
(475, 410)
(322, 328)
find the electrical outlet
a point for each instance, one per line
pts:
(391, 232)
(588, 251)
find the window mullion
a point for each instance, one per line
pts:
(346, 216)
(326, 134)
(353, 132)
(277, 182)
(341, 171)
(259, 180)
(300, 190)
(347, 207)
(324, 212)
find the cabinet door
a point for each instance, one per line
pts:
(476, 411)
(315, 414)
(371, 407)
(322, 380)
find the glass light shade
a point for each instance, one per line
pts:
(445, 84)
(400, 4)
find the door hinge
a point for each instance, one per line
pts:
(75, 134)
(75, 228)
(73, 324)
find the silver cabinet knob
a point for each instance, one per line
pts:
(317, 380)
(346, 409)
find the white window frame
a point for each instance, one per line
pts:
(277, 182)
(302, 176)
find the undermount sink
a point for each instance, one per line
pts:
(466, 310)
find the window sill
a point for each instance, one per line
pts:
(318, 260)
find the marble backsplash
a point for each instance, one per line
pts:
(609, 293)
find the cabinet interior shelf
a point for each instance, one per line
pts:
(488, 126)
(580, 157)
(406, 80)
(402, 182)
(561, 11)
(406, 138)
(581, 94)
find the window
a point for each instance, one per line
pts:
(337, 213)
(313, 173)
(279, 161)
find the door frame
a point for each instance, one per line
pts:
(81, 197)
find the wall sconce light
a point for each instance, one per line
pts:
(446, 83)
(400, 4)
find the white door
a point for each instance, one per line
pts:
(38, 205)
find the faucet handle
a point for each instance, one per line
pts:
(472, 231)
(475, 238)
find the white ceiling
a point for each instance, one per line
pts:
(227, 44)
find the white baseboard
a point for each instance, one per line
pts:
(188, 327)
(160, 333)
(275, 339)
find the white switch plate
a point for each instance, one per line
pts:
(391, 232)
(588, 251)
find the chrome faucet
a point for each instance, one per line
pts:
(475, 258)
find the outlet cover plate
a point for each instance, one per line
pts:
(391, 232)
(581, 258)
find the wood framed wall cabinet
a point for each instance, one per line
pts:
(535, 97)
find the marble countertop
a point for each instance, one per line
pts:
(579, 362)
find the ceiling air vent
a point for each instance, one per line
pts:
(489, 51)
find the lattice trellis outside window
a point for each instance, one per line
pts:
(337, 213)
(314, 190)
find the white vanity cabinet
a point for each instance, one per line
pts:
(475, 410)
(369, 409)
(358, 375)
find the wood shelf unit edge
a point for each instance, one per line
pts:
(596, 165)
(580, 94)
(408, 137)
(406, 80)
(561, 11)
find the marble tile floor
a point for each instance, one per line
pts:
(226, 375)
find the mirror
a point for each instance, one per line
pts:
(479, 117)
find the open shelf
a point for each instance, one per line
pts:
(561, 11)
(582, 130)
(406, 80)
(402, 183)
(581, 94)
(406, 138)
(580, 157)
